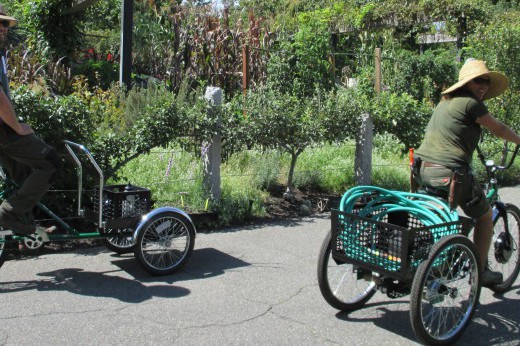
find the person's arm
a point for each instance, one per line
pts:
(498, 128)
(8, 116)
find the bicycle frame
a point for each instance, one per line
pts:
(492, 196)
(72, 233)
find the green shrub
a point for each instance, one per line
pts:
(421, 76)
(326, 168)
(50, 30)
(401, 116)
(98, 73)
(239, 203)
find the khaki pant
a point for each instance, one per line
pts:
(468, 193)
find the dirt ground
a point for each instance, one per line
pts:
(304, 203)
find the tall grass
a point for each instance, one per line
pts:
(175, 177)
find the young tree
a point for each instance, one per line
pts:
(283, 121)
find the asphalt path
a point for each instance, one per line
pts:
(252, 285)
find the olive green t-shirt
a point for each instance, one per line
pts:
(452, 134)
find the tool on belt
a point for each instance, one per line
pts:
(455, 181)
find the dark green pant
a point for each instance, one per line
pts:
(30, 163)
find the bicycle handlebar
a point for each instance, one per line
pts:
(515, 153)
(509, 164)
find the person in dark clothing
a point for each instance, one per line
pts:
(26, 159)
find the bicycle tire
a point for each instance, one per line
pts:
(6, 248)
(3, 251)
(341, 295)
(119, 245)
(510, 266)
(438, 282)
(165, 243)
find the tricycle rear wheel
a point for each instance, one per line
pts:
(445, 291)
(339, 283)
(165, 243)
(119, 244)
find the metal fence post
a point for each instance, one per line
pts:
(212, 149)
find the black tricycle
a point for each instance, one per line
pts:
(162, 239)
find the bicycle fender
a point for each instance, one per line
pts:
(154, 212)
(499, 209)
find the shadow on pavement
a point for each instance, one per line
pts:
(289, 222)
(495, 323)
(95, 284)
(203, 263)
(395, 321)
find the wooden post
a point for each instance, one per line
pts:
(332, 61)
(377, 61)
(363, 161)
(245, 75)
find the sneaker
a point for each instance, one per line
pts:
(491, 278)
(9, 220)
(43, 232)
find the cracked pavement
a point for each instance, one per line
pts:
(253, 285)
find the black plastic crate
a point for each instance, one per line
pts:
(123, 201)
(393, 246)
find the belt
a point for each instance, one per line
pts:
(431, 164)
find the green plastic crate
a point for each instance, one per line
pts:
(394, 246)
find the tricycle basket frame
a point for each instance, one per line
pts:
(114, 206)
(122, 204)
(393, 247)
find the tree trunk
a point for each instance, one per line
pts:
(289, 195)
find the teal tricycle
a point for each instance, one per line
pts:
(162, 239)
(402, 243)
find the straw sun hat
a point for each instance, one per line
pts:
(476, 68)
(3, 16)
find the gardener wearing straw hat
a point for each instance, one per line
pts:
(27, 160)
(451, 137)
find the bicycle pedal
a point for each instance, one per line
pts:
(41, 232)
(6, 232)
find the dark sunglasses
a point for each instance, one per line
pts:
(481, 80)
(5, 23)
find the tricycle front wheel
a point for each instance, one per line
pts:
(165, 243)
(339, 282)
(504, 254)
(445, 291)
